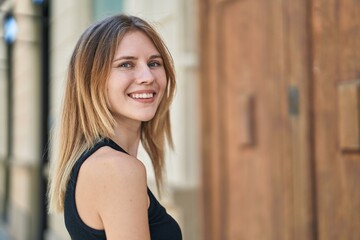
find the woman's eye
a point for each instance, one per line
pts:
(154, 64)
(125, 65)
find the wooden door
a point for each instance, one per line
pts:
(280, 119)
(252, 126)
(336, 109)
(251, 130)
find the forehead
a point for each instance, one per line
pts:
(136, 42)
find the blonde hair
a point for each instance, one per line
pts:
(86, 117)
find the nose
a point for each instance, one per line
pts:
(145, 75)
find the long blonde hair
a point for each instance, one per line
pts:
(86, 117)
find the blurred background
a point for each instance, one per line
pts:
(266, 118)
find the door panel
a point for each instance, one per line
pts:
(336, 71)
(247, 158)
(245, 77)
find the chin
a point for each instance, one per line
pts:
(146, 118)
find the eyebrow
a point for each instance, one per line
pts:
(135, 58)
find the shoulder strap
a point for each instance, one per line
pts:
(112, 144)
(87, 153)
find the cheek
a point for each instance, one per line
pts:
(117, 84)
(107, 97)
(111, 93)
(163, 82)
(162, 88)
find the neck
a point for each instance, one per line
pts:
(127, 136)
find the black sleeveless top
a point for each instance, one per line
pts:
(162, 225)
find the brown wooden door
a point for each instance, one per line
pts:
(275, 75)
(248, 131)
(336, 76)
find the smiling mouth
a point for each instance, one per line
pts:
(142, 95)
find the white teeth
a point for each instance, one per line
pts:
(142, 95)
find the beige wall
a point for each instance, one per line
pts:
(3, 100)
(26, 153)
(3, 121)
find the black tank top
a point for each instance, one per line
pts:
(162, 225)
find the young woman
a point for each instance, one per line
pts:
(120, 84)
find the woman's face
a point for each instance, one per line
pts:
(137, 79)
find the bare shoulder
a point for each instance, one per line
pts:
(116, 184)
(109, 164)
